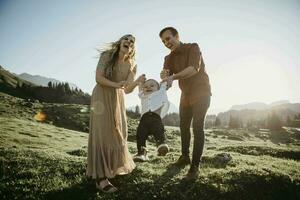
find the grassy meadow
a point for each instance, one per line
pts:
(47, 160)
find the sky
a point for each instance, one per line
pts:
(250, 48)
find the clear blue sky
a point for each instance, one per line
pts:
(251, 48)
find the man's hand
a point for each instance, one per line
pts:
(164, 73)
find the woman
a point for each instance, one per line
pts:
(108, 153)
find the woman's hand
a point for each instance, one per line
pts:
(120, 84)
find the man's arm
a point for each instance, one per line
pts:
(194, 65)
(186, 73)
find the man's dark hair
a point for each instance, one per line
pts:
(172, 29)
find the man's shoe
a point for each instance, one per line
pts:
(192, 174)
(182, 161)
(141, 157)
(162, 150)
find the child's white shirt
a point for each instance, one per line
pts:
(156, 101)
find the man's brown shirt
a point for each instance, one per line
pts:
(189, 54)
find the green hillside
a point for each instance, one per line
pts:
(53, 93)
(42, 161)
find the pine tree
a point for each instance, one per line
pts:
(137, 110)
(49, 84)
(288, 121)
(67, 88)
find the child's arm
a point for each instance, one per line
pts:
(140, 85)
(163, 86)
(162, 89)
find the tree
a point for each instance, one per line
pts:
(137, 110)
(171, 119)
(67, 88)
(49, 84)
(297, 117)
(288, 121)
(234, 122)
(217, 122)
(274, 123)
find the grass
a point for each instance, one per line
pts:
(43, 161)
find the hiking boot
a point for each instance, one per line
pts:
(162, 150)
(182, 161)
(142, 156)
(192, 173)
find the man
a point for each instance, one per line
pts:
(185, 64)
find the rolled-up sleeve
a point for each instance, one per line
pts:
(167, 65)
(194, 58)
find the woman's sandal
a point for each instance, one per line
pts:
(106, 186)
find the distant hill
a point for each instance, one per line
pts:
(12, 84)
(258, 105)
(253, 105)
(277, 103)
(11, 80)
(257, 111)
(41, 80)
(58, 93)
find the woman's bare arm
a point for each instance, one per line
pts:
(129, 87)
(100, 78)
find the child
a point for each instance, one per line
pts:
(155, 105)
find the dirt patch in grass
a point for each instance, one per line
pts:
(78, 152)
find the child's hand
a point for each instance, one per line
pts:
(169, 81)
(141, 78)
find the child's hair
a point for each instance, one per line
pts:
(158, 86)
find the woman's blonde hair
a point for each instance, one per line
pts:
(112, 49)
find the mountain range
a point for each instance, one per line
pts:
(36, 88)
(10, 80)
(41, 80)
(258, 105)
(260, 111)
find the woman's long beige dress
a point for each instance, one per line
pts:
(108, 153)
